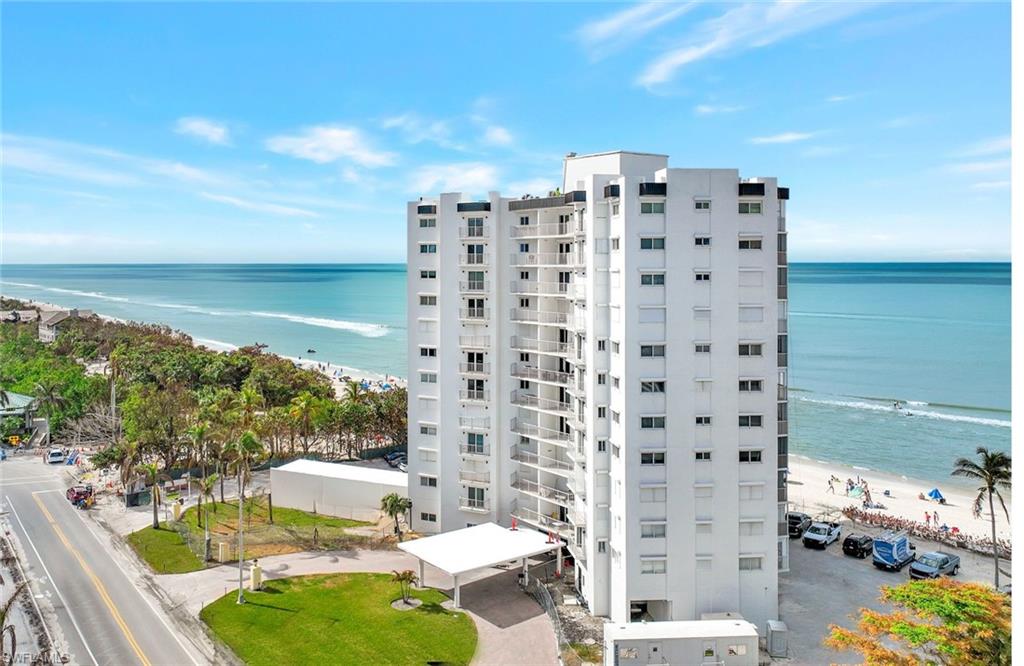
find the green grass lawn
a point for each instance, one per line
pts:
(224, 517)
(340, 619)
(164, 551)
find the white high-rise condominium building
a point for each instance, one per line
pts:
(609, 364)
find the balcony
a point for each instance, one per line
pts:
(653, 189)
(520, 343)
(473, 285)
(548, 435)
(475, 368)
(541, 259)
(542, 521)
(611, 191)
(474, 232)
(523, 315)
(783, 193)
(751, 189)
(475, 341)
(523, 399)
(473, 260)
(475, 313)
(482, 451)
(783, 461)
(474, 207)
(783, 292)
(783, 360)
(533, 203)
(474, 395)
(426, 209)
(780, 258)
(540, 230)
(474, 505)
(546, 463)
(475, 422)
(782, 529)
(542, 491)
(541, 288)
(576, 196)
(482, 478)
(783, 428)
(523, 371)
(783, 494)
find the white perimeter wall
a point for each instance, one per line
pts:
(343, 498)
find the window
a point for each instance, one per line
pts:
(428, 377)
(602, 378)
(601, 345)
(652, 566)
(428, 275)
(428, 430)
(602, 412)
(524, 357)
(702, 277)
(428, 517)
(615, 347)
(524, 220)
(615, 416)
(652, 351)
(750, 243)
(428, 222)
(702, 456)
(750, 456)
(736, 650)
(704, 491)
(524, 247)
(652, 457)
(652, 279)
(428, 300)
(750, 349)
(428, 481)
(750, 207)
(475, 227)
(751, 385)
(615, 243)
(615, 382)
(523, 384)
(750, 420)
(702, 420)
(474, 442)
(602, 546)
(428, 352)
(654, 243)
(602, 445)
(750, 563)
(652, 387)
(474, 254)
(752, 492)
(702, 347)
(652, 422)
(615, 209)
(428, 248)
(702, 204)
(615, 450)
(524, 275)
(702, 241)
(524, 302)
(652, 207)
(652, 530)
(653, 494)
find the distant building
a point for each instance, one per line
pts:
(19, 316)
(50, 320)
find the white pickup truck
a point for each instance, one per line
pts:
(820, 535)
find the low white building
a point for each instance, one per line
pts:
(344, 491)
(730, 642)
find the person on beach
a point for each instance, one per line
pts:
(935, 517)
(831, 488)
(927, 519)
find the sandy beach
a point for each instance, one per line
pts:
(809, 492)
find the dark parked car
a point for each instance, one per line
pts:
(394, 454)
(798, 523)
(858, 545)
(935, 564)
(401, 458)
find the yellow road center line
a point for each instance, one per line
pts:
(96, 582)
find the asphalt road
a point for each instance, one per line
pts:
(103, 618)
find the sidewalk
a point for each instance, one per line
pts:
(511, 627)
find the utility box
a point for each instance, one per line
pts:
(256, 579)
(223, 552)
(732, 642)
(778, 638)
(177, 511)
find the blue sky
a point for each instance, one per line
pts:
(262, 132)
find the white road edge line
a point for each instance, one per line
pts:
(158, 614)
(67, 607)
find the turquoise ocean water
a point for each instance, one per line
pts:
(935, 336)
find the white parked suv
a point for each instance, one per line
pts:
(55, 456)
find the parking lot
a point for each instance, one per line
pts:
(827, 587)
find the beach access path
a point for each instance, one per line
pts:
(809, 493)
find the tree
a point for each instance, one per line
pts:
(405, 579)
(7, 631)
(198, 434)
(205, 486)
(245, 451)
(49, 401)
(353, 391)
(153, 476)
(304, 408)
(993, 471)
(394, 505)
(951, 623)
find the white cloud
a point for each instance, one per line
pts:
(204, 128)
(416, 129)
(991, 185)
(497, 135)
(711, 109)
(180, 171)
(980, 166)
(44, 163)
(535, 186)
(615, 31)
(329, 143)
(469, 177)
(785, 137)
(258, 206)
(747, 26)
(835, 99)
(901, 122)
(994, 146)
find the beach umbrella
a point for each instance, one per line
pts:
(935, 494)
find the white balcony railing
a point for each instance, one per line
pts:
(523, 371)
(540, 346)
(475, 368)
(541, 259)
(541, 520)
(524, 399)
(536, 230)
(539, 316)
(475, 313)
(467, 476)
(543, 491)
(473, 285)
(475, 505)
(475, 422)
(539, 432)
(540, 461)
(467, 449)
(541, 288)
(475, 341)
(475, 395)
(474, 232)
(473, 259)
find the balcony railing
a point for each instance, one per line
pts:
(783, 292)
(474, 232)
(536, 230)
(543, 491)
(539, 316)
(783, 427)
(466, 476)
(524, 399)
(783, 360)
(781, 258)
(782, 529)
(473, 206)
(475, 395)
(475, 505)
(611, 191)
(540, 346)
(475, 368)
(474, 313)
(549, 523)
(541, 259)
(539, 432)
(426, 209)
(475, 422)
(543, 462)
(534, 203)
(653, 189)
(542, 288)
(475, 341)
(783, 494)
(783, 461)
(473, 285)
(473, 260)
(467, 449)
(529, 372)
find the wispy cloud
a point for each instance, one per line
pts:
(415, 129)
(205, 129)
(712, 109)
(982, 166)
(747, 26)
(901, 122)
(612, 32)
(836, 99)
(785, 137)
(470, 177)
(258, 206)
(496, 135)
(42, 162)
(991, 185)
(994, 146)
(329, 143)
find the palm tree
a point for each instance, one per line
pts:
(49, 401)
(394, 505)
(406, 579)
(303, 407)
(198, 434)
(207, 485)
(993, 471)
(353, 392)
(7, 629)
(246, 450)
(249, 402)
(152, 474)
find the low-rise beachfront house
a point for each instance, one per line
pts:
(49, 322)
(19, 316)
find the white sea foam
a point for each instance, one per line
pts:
(856, 404)
(362, 328)
(873, 317)
(215, 345)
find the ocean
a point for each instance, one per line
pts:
(933, 336)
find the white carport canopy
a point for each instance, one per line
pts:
(477, 547)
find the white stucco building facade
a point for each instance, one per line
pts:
(609, 364)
